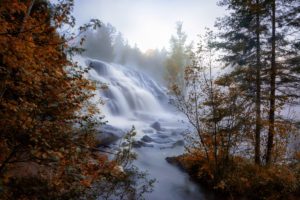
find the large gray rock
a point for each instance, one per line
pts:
(146, 138)
(178, 143)
(108, 135)
(156, 126)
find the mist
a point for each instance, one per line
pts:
(109, 45)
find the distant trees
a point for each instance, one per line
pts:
(178, 56)
(99, 43)
(108, 45)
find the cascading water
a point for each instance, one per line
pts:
(130, 94)
(133, 98)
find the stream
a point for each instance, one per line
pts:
(134, 99)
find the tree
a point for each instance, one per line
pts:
(243, 28)
(216, 113)
(283, 48)
(99, 43)
(179, 56)
(247, 29)
(47, 123)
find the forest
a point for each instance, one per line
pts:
(85, 114)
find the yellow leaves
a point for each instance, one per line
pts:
(220, 185)
(43, 99)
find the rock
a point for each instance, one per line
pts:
(177, 132)
(174, 133)
(146, 138)
(178, 143)
(156, 126)
(105, 139)
(111, 129)
(175, 161)
(139, 144)
(172, 160)
(108, 135)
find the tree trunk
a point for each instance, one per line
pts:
(258, 89)
(31, 3)
(272, 92)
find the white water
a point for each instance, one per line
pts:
(133, 98)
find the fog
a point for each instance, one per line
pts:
(107, 44)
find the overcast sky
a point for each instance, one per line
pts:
(150, 23)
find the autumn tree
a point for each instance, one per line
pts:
(216, 113)
(47, 123)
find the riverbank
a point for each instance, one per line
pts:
(242, 179)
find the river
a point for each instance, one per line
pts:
(134, 99)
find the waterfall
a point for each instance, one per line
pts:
(130, 94)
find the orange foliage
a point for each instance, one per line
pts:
(41, 100)
(244, 179)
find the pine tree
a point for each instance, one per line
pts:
(243, 50)
(283, 74)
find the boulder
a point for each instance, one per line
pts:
(139, 144)
(156, 126)
(146, 138)
(105, 139)
(178, 143)
(108, 135)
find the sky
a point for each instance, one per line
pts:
(150, 23)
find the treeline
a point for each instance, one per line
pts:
(48, 126)
(245, 143)
(106, 44)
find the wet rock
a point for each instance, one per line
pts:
(175, 161)
(108, 135)
(172, 160)
(105, 139)
(156, 126)
(139, 144)
(146, 138)
(178, 143)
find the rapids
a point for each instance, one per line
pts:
(134, 99)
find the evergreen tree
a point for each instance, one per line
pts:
(99, 43)
(242, 42)
(179, 56)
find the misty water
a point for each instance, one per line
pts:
(134, 99)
